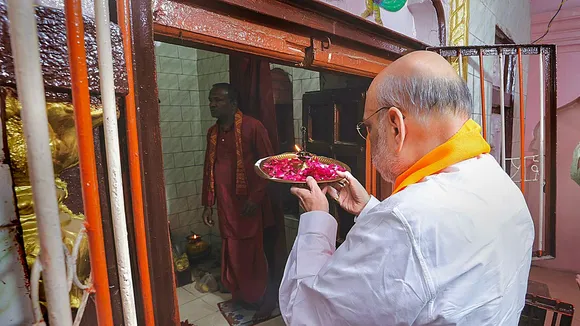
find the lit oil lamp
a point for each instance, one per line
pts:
(196, 247)
(303, 156)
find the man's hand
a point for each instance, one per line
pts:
(351, 195)
(249, 208)
(312, 199)
(207, 213)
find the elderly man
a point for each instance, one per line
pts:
(451, 246)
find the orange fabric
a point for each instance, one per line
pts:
(241, 180)
(465, 144)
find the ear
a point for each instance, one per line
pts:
(396, 123)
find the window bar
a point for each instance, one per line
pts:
(541, 158)
(25, 50)
(123, 15)
(502, 108)
(107, 84)
(522, 124)
(482, 87)
(87, 162)
(460, 62)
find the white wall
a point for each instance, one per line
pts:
(513, 18)
(417, 18)
(184, 77)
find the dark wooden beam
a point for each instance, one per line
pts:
(321, 17)
(311, 35)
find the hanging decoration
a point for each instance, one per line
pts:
(373, 9)
(392, 5)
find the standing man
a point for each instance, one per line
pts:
(451, 246)
(234, 144)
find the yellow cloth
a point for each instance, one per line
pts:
(465, 144)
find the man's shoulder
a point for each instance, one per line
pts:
(253, 125)
(252, 122)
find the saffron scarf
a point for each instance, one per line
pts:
(465, 144)
(241, 181)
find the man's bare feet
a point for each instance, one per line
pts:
(265, 311)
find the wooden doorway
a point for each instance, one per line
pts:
(330, 118)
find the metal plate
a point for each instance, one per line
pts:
(258, 167)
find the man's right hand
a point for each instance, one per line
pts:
(207, 213)
(352, 196)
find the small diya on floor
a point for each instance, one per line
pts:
(295, 167)
(196, 248)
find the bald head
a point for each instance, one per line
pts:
(421, 103)
(423, 64)
(422, 84)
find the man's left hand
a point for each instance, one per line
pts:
(249, 208)
(312, 199)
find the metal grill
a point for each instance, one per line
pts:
(524, 169)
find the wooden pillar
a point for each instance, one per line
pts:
(147, 101)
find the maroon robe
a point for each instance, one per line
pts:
(244, 266)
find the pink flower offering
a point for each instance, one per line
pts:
(294, 169)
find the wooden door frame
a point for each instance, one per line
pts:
(304, 33)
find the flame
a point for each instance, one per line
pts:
(195, 236)
(297, 148)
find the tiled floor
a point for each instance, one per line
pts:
(201, 308)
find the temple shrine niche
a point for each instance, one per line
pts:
(63, 139)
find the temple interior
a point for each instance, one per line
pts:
(302, 68)
(185, 77)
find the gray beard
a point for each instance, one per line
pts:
(386, 163)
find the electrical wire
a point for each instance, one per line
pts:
(550, 23)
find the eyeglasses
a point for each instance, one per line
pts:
(362, 128)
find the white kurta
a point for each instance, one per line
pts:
(453, 249)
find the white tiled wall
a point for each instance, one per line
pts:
(513, 18)
(185, 76)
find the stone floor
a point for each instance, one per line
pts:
(201, 308)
